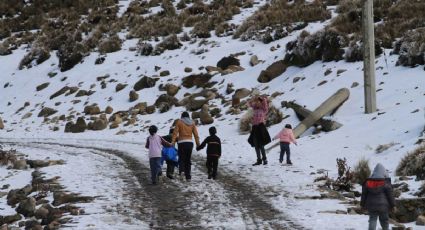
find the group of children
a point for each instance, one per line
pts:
(161, 149)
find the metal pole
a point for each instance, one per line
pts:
(369, 57)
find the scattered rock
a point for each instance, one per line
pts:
(171, 89)
(11, 219)
(198, 80)
(80, 126)
(91, 110)
(340, 71)
(205, 116)
(187, 69)
(63, 198)
(141, 106)
(109, 109)
(20, 164)
(120, 87)
(16, 195)
(42, 86)
(328, 71)
(229, 88)
(26, 207)
(165, 102)
(355, 84)
(150, 109)
(232, 69)
(322, 83)
(145, 82)
(273, 71)
(241, 93)
(408, 210)
(133, 96)
(164, 73)
(60, 92)
(46, 112)
(296, 79)
(254, 60)
(225, 62)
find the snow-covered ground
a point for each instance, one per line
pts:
(400, 119)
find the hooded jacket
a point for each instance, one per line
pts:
(377, 193)
(183, 131)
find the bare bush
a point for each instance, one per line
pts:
(361, 171)
(36, 56)
(413, 164)
(345, 176)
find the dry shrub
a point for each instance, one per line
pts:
(144, 48)
(171, 42)
(384, 147)
(110, 44)
(361, 171)
(421, 192)
(345, 176)
(37, 55)
(280, 14)
(411, 48)
(245, 121)
(413, 164)
(201, 30)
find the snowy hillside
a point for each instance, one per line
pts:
(97, 162)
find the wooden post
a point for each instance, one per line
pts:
(369, 57)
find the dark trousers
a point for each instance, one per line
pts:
(212, 164)
(383, 220)
(259, 149)
(155, 164)
(284, 148)
(185, 155)
(170, 167)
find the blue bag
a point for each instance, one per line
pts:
(170, 154)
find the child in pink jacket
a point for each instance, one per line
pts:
(286, 137)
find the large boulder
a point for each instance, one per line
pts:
(26, 207)
(80, 126)
(197, 100)
(145, 82)
(225, 62)
(198, 80)
(120, 87)
(109, 109)
(46, 111)
(273, 71)
(10, 219)
(141, 107)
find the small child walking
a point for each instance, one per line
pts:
(213, 152)
(170, 155)
(286, 137)
(154, 143)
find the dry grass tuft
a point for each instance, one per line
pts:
(413, 164)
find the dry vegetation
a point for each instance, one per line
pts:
(361, 171)
(274, 20)
(413, 164)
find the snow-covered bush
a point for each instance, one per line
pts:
(171, 42)
(37, 55)
(411, 48)
(325, 45)
(413, 164)
(361, 171)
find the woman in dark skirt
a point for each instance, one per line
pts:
(259, 136)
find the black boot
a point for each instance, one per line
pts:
(257, 163)
(264, 161)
